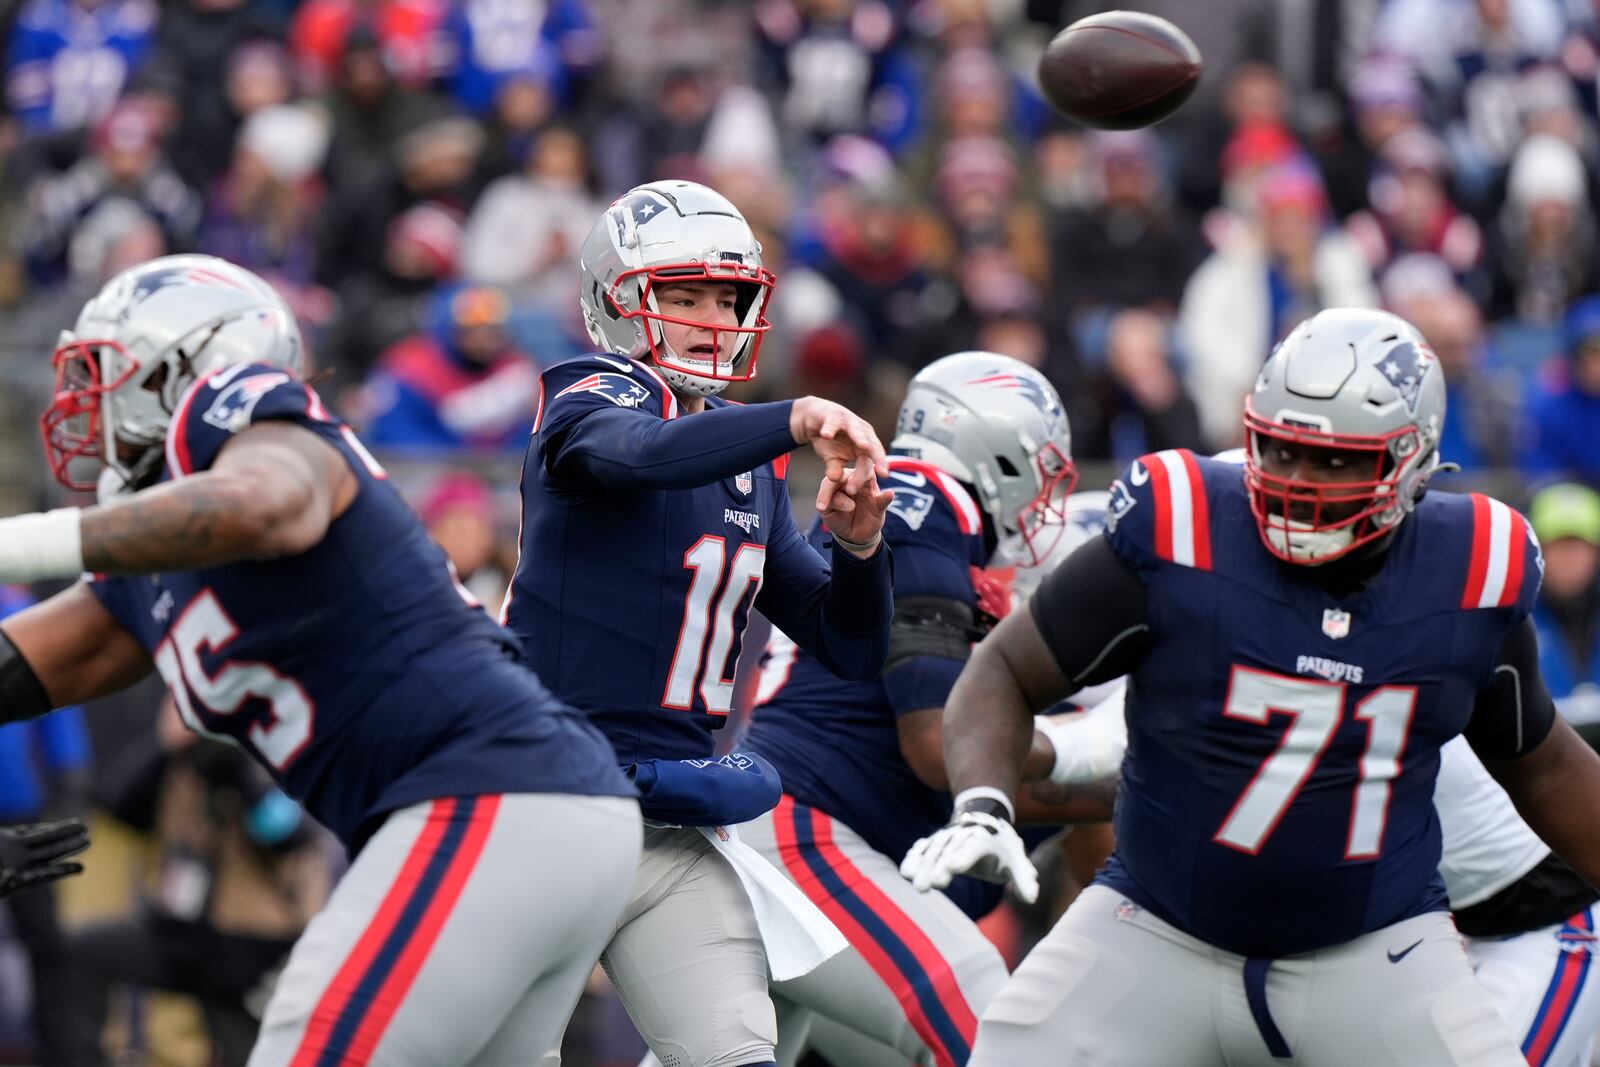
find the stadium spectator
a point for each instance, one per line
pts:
(836, 67)
(370, 114)
(1544, 252)
(261, 214)
(459, 513)
(495, 42)
(459, 383)
(408, 33)
(1564, 405)
(239, 871)
(1127, 246)
(1250, 292)
(1481, 432)
(1566, 518)
(67, 61)
(1412, 211)
(126, 163)
(44, 773)
(1141, 403)
(255, 75)
(524, 233)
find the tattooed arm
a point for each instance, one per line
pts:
(273, 491)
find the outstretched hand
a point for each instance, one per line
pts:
(854, 515)
(847, 443)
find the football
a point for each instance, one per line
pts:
(1119, 70)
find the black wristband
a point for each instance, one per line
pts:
(22, 695)
(987, 806)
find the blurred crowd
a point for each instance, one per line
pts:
(417, 175)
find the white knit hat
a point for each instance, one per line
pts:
(1546, 168)
(290, 140)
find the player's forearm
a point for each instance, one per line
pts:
(852, 636)
(625, 450)
(202, 521)
(1556, 789)
(988, 726)
(1052, 804)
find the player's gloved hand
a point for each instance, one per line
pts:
(980, 843)
(31, 855)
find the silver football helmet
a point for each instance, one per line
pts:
(997, 425)
(674, 231)
(1356, 381)
(147, 336)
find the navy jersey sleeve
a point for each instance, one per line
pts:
(839, 613)
(1157, 512)
(229, 401)
(932, 528)
(119, 595)
(1513, 710)
(606, 423)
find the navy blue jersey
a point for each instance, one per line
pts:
(359, 671)
(835, 742)
(647, 539)
(1283, 744)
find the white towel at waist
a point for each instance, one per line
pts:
(797, 936)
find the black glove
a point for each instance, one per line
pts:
(31, 855)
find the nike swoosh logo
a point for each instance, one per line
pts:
(1137, 474)
(1396, 957)
(909, 477)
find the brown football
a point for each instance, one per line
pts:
(1119, 70)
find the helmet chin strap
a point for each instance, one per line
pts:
(685, 381)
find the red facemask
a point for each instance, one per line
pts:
(1044, 520)
(71, 425)
(757, 282)
(1318, 507)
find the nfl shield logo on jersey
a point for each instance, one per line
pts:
(1336, 623)
(744, 483)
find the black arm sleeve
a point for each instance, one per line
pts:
(1514, 711)
(1091, 613)
(22, 695)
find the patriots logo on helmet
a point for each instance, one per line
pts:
(233, 406)
(1026, 386)
(640, 206)
(1405, 366)
(152, 282)
(617, 388)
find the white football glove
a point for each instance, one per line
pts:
(976, 843)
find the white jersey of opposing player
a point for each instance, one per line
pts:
(1487, 846)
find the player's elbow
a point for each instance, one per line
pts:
(274, 514)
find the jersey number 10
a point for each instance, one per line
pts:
(1315, 710)
(707, 558)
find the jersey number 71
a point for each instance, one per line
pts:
(1315, 709)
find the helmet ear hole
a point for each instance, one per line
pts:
(1007, 468)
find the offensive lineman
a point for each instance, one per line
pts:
(655, 517)
(983, 453)
(1275, 895)
(252, 551)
